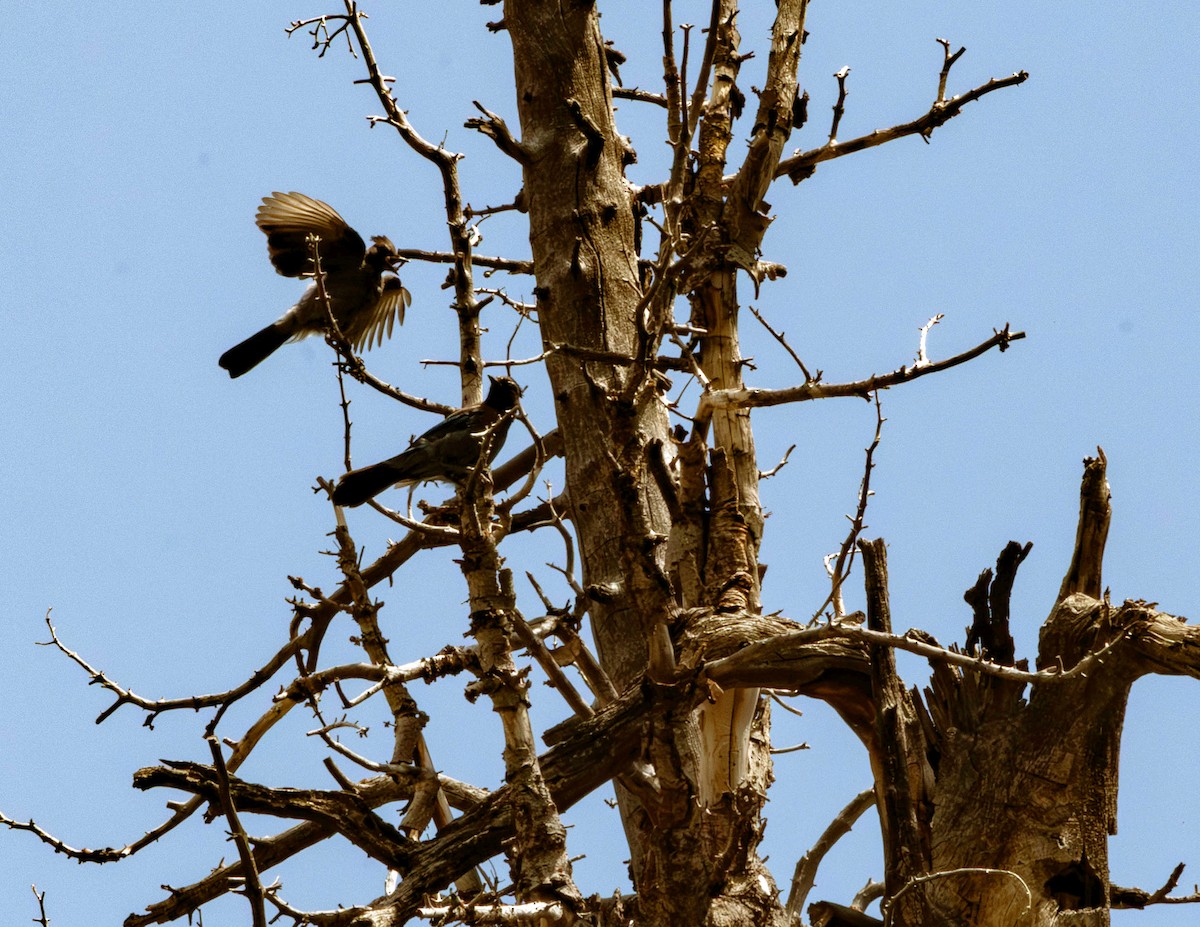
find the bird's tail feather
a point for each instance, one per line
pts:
(357, 486)
(254, 350)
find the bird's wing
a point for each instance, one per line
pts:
(287, 219)
(461, 423)
(385, 315)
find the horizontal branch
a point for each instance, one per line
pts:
(449, 257)
(801, 165)
(642, 96)
(776, 661)
(814, 389)
(342, 811)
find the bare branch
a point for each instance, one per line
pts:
(1095, 513)
(83, 855)
(322, 37)
(251, 885)
(759, 398)
(769, 663)
(922, 357)
(1140, 898)
(781, 337)
(947, 64)
(805, 875)
(839, 108)
(535, 913)
(41, 900)
(497, 130)
(840, 571)
(801, 165)
(448, 257)
(558, 679)
(461, 234)
(767, 474)
(156, 706)
(642, 96)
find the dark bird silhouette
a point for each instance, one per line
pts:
(366, 302)
(448, 452)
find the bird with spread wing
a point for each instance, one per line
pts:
(366, 299)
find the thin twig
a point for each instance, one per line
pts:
(922, 357)
(781, 337)
(889, 905)
(839, 108)
(947, 64)
(41, 900)
(840, 570)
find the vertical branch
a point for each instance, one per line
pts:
(677, 134)
(947, 64)
(407, 719)
(736, 517)
(465, 304)
(252, 886)
(735, 501)
(840, 570)
(772, 125)
(839, 108)
(720, 12)
(541, 870)
(672, 82)
(901, 767)
(408, 722)
(1095, 513)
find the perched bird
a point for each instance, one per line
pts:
(449, 451)
(365, 301)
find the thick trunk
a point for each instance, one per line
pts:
(582, 233)
(690, 864)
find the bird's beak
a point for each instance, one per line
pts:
(520, 389)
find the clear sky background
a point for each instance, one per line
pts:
(159, 507)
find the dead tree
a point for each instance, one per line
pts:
(995, 784)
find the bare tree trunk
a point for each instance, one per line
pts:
(685, 858)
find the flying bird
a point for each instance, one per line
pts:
(365, 299)
(448, 452)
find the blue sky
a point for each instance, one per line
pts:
(158, 507)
